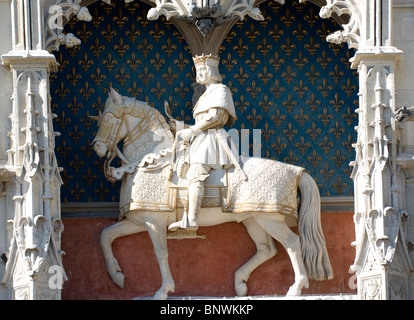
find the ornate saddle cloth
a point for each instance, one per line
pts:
(150, 190)
(271, 187)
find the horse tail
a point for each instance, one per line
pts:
(313, 245)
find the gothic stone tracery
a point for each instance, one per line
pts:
(381, 256)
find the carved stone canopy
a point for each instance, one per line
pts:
(205, 14)
(204, 23)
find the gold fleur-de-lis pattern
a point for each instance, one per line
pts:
(286, 81)
(120, 48)
(297, 88)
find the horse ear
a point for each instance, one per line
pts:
(116, 96)
(97, 118)
(167, 110)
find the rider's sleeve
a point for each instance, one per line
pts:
(216, 118)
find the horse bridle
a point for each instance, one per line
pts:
(108, 136)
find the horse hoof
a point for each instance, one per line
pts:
(160, 295)
(296, 289)
(119, 279)
(241, 289)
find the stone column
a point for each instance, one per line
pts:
(34, 267)
(381, 263)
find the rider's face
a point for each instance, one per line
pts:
(202, 75)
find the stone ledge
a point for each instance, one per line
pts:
(111, 209)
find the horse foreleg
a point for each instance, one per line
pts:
(266, 249)
(278, 229)
(108, 235)
(157, 230)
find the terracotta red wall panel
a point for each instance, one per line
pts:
(199, 267)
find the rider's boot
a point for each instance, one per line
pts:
(195, 198)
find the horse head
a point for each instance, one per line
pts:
(141, 127)
(110, 125)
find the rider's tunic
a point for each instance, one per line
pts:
(213, 111)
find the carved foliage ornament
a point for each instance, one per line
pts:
(205, 14)
(351, 30)
(221, 9)
(383, 238)
(405, 114)
(61, 12)
(32, 240)
(32, 237)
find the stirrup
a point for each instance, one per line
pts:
(192, 225)
(183, 224)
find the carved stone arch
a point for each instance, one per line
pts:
(260, 112)
(347, 14)
(120, 1)
(59, 12)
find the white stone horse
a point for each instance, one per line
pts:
(143, 129)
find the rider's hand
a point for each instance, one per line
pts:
(185, 134)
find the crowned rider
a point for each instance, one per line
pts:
(209, 147)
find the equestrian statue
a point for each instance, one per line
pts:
(178, 177)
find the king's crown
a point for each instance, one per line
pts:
(206, 60)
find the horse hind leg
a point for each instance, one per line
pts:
(275, 225)
(266, 249)
(108, 235)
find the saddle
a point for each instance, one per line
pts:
(150, 186)
(215, 187)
